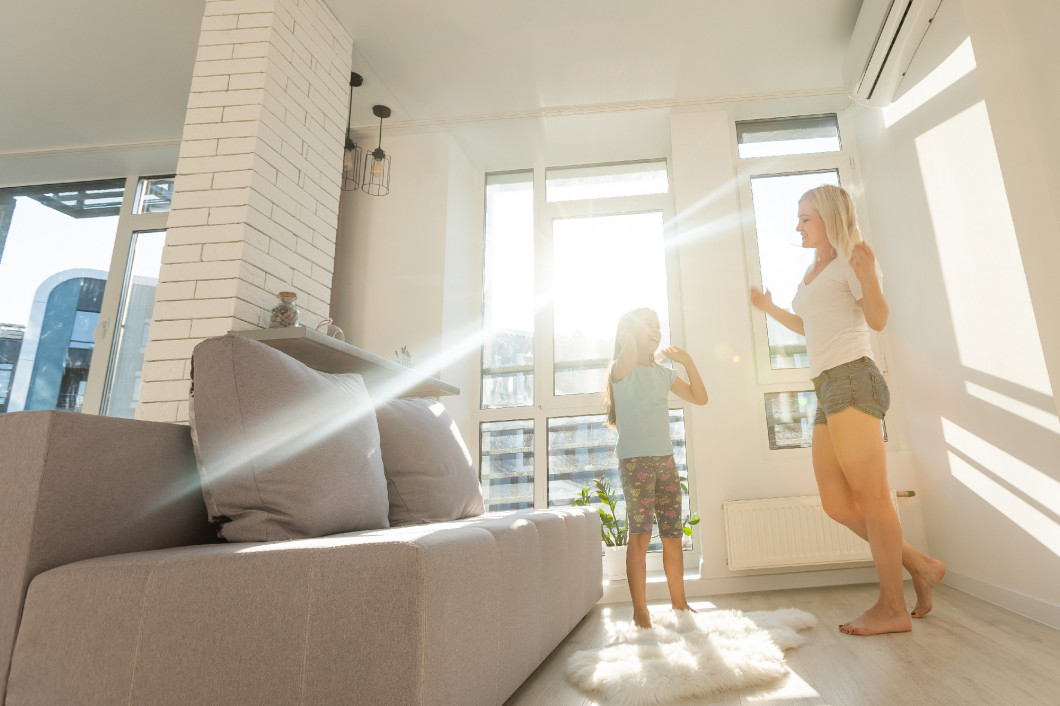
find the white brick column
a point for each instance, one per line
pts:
(255, 205)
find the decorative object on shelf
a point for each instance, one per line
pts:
(286, 312)
(351, 153)
(376, 179)
(404, 357)
(328, 328)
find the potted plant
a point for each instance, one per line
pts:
(613, 530)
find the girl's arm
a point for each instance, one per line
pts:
(692, 391)
(872, 303)
(763, 301)
(627, 358)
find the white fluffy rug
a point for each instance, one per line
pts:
(688, 655)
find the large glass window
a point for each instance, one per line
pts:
(55, 256)
(621, 255)
(58, 244)
(122, 392)
(782, 259)
(599, 244)
(508, 291)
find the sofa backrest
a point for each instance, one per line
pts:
(77, 486)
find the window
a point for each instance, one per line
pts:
(781, 160)
(786, 136)
(583, 448)
(57, 246)
(508, 291)
(507, 468)
(783, 261)
(598, 236)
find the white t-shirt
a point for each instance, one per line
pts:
(836, 330)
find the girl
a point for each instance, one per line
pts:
(636, 406)
(838, 301)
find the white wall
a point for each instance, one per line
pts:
(408, 265)
(970, 313)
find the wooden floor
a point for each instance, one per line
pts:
(966, 651)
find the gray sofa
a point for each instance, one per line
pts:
(115, 589)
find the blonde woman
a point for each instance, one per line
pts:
(635, 397)
(838, 300)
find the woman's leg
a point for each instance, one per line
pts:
(858, 446)
(839, 504)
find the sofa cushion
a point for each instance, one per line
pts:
(429, 473)
(284, 451)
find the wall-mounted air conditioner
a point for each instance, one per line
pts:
(885, 38)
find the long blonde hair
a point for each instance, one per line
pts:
(836, 209)
(625, 325)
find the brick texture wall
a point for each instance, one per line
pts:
(255, 205)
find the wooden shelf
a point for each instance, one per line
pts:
(330, 355)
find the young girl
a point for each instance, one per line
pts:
(838, 301)
(636, 405)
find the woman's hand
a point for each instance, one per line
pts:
(760, 300)
(863, 262)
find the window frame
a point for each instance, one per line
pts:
(549, 405)
(791, 379)
(121, 259)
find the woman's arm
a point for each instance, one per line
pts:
(872, 302)
(627, 358)
(763, 301)
(692, 391)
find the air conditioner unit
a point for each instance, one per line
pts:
(885, 38)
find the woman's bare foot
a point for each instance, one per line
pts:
(685, 606)
(642, 620)
(923, 581)
(878, 620)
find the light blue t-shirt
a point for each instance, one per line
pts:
(642, 414)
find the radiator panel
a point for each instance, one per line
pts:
(785, 532)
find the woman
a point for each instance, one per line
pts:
(838, 301)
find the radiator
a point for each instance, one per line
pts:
(779, 532)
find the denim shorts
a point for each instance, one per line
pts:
(858, 384)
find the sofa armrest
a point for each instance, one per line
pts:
(78, 486)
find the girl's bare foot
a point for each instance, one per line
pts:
(878, 620)
(642, 619)
(685, 606)
(923, 581)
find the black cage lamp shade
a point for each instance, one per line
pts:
(351, 152)
(376, 178)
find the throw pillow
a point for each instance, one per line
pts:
(429, 473)
(284, 451)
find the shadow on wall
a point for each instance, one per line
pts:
(973, 374)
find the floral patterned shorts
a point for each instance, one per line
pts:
(652, 488)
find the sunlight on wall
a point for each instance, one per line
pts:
(1044, 419)
(986, 287)
(1021, 476)
(1036, 523)
(955, 67)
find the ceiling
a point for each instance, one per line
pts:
(118, 72)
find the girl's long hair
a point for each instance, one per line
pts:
(836, 209)
(625, 323)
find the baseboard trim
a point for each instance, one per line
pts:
(1028, 606)
(618, 591)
